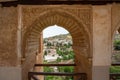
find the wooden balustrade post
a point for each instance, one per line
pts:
(29, 76)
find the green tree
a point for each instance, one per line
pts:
(45, 53)
(48, 69)
(117, 57)
(117, 44)
(115, 69)
(49, 51)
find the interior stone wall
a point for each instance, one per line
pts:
(28, 65)
(101, 42)
(8, 36)
(9, 69)
(10, 73)
(106, 20)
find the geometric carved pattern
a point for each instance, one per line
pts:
(115, 18)
(83, 13)
(84, 16)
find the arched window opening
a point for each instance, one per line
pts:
(116, 48)
(32, 37)
(57, 49)
(115, 67)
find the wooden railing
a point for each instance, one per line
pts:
(32, 75)
(115, 76)
(38, 65)
(116, 64)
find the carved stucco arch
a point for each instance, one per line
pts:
(117, 27)
(115, 19)
(79, 32)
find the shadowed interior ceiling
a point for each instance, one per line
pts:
(43, 2)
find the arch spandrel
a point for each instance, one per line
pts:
(115, 18)
(82, 12)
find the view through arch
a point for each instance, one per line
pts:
(116, 48)
(116, 53)
(79, 32)
(57, 49)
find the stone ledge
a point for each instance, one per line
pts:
(10, 73)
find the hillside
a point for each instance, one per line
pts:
(56, 46)
(61, 36)
(58, 50)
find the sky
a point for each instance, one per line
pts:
(53, 30)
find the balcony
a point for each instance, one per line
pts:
(115, 76)
(32, 75)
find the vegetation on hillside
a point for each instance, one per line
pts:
(116, 44)
(63, 46)
(116, 55)
(66, 53)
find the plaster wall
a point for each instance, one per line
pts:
(8, 36)
(9, 69)
(39, 57)
(10, 73)
(101, 42)
(28, 65)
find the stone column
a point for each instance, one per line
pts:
(101, 42)
(39, 57)
(9, 63)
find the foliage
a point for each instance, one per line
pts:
(59, 59)
(61, 69)
(117, 44)
(45, 53)
(53, 78)
(49, 44)
(49, 51)
(48, 69)
(65, 53)
(66, 69)
(117, 57)
(116, 70)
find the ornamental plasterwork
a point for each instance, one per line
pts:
(31, 13)
(115, 18)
